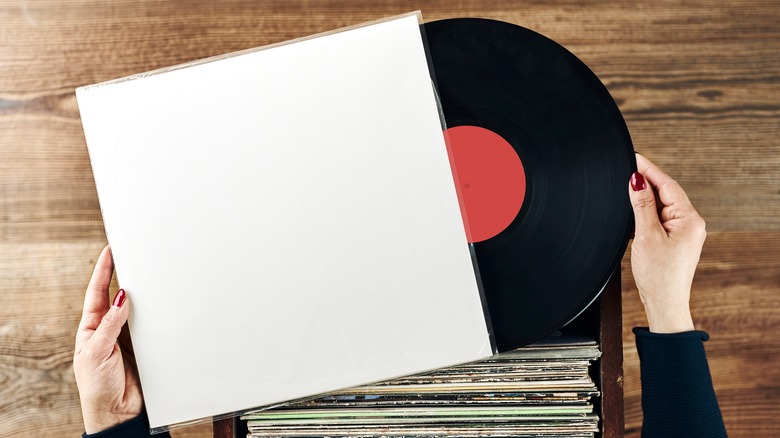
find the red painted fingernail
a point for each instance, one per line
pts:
(637, 182)
(119, 299)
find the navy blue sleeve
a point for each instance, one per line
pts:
(138, 427)
(677, 395)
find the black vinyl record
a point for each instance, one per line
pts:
(557, 253)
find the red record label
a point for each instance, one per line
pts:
(489, 178)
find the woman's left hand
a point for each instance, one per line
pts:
(106, 376)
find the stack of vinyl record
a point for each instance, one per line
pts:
(543, 390)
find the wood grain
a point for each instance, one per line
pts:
(698, 83)
(736, 297)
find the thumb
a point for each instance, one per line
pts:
(105, 337)
(644, 204)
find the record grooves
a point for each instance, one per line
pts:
(547, 264)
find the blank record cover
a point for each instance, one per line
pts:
(284, 221)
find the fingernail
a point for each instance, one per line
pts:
(119, 299)
(637, 182)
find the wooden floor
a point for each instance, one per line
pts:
(697, 81)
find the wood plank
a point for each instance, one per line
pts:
(611, 362)
(230, 428)
(42, 292)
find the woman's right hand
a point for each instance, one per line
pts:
(668, 239)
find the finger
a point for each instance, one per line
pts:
(96, 298)
(669, 191)
(105, 337)
(644, 204)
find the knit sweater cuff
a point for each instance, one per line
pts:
(677, 395)
(136, 428)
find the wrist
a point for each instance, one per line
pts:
(669, 319)
(95, 422)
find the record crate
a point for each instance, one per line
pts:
(603, 322)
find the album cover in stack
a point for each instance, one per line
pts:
(374, 202)
(542, 390)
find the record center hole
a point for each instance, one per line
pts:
(496, 180)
